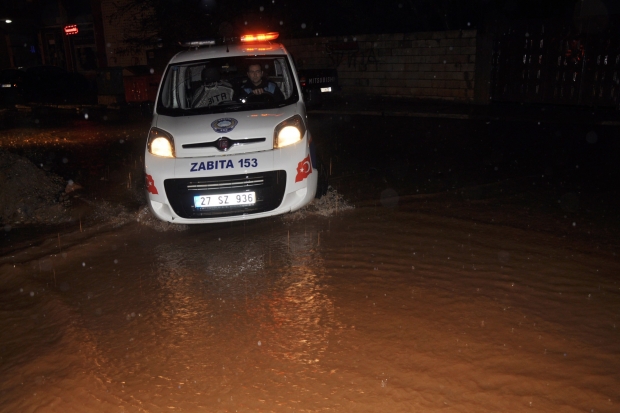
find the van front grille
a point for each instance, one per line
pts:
(268, 186)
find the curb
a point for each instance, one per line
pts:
(463, 116)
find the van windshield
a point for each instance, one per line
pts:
(227, 85)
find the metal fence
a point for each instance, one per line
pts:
(557, 63)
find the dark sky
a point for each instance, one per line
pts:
(182, 19)
(342, 17)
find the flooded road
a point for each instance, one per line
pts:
(459, 301)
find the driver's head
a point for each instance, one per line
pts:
(255, 74)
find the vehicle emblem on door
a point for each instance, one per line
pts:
(224, 125)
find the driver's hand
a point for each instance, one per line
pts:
(258, 91)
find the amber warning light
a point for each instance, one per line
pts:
(71, 29)
(262, 37)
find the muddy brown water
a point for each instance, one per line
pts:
(474, 293)
(370, 309)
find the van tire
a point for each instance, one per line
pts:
(323, 180)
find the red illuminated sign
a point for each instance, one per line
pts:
(71, 29)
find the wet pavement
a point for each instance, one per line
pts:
(342, 103)
(463, 266)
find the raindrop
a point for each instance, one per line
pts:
(262, 8)
(246, 23)
(32, 293)
(21, 290)
(259, 343)
(105, 117)
(151, 70)
(36, 121)
(591, 137)
(503, 256)
(86, 116)
(569, 202)
(574, 224)
(7, 228)
(468, 24)
(115, 261)
(122, 141)
(83, 264)
(527, 35)
(303, 25)
(400, 5)
(65, 160)
(389, 198)
(108, 45)
(281, 23)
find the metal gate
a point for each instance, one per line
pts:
(554, 63)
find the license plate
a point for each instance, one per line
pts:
(238, 198)
(326, 89)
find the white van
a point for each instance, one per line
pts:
(218, 151)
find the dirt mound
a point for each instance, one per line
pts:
(28, 194)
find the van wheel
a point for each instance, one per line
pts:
(323, 180)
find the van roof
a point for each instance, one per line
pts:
(213, 52)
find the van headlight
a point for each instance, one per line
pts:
(160, 143)
(289, 132)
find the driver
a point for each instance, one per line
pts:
(256, 85)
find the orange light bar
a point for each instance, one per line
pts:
(262, 37)
(257, 49)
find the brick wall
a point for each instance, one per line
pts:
(115, 29)
(426, 65)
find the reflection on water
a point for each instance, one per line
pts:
(298, 319)
(274, 280)
(297, 316)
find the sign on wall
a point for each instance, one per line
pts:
(71, 29)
